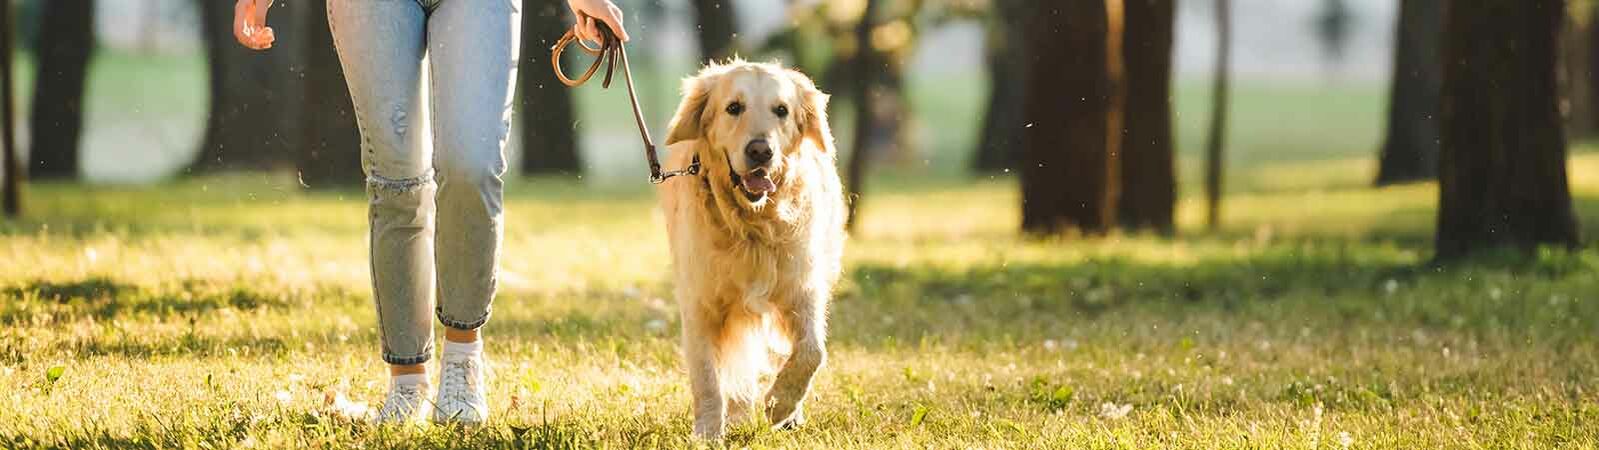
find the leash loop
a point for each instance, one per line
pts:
(608, 53)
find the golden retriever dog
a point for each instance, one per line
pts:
(756, 239)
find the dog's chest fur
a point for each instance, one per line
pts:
(760, 250)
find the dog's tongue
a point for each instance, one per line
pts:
(759, 183)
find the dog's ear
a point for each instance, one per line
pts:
(812, 112)
(687, 124)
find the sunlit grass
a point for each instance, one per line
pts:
(232, 312)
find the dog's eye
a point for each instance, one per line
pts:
(735, 108)
(781, 111)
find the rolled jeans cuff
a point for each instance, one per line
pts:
(460, 325)
(402, 360)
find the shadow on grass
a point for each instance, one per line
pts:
(104, 298)
(1327, 286)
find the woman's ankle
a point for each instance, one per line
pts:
(462, 336)
(407, 369)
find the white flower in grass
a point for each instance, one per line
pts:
(1112, 411)
(1345, 440)
(354, 410)
(283, 396)
(655, 326)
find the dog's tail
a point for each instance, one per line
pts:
(749, 352)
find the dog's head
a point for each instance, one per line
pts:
(754, 121)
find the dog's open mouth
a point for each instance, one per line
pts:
(756, 184)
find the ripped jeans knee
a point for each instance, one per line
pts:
(379, 183)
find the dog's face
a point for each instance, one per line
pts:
(753, 120)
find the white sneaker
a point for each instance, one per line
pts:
(462, 396)
(404, 402)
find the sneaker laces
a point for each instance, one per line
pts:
(458, 371)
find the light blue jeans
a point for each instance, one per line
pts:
(433, 149)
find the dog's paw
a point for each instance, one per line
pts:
(788, 418)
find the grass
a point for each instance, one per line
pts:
(235, 312)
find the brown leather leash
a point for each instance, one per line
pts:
(609, 52)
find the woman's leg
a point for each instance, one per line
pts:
(380, 46)
(472, 47)
(473, 50)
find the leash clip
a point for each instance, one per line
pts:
(658, 177)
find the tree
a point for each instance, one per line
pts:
(549, 142)
(11, 198)
(999, 145)
(252, 116)
(867, 62)
(1218, 113)
(1149, 179)
(329, 142)
(717, 29)
(1073, 114)
(66, 43)
(1410, 152)
(1502, 177)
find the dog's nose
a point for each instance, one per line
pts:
(758, 151)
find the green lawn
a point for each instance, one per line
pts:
(231, 312)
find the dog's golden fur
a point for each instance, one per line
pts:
(753, 275)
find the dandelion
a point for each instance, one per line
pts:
(1112, 411)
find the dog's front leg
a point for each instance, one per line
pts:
(808, 330)
(699, 348)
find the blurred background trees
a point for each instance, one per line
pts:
(548, 131)
(1073, 114)
(1502, 175)
(1091, 107)
(65, 44)
(1410, 150)
(1148, 165)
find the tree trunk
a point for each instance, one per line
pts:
(717, 29)
(1410, 152)
(1148, 177)
(1218, 113)
(11, 198)
(253, 120)
(999, 146)
(1503, 174)
(1073, 114)
(866, 63)
(329, 141)
(65, 46)
(549, 142)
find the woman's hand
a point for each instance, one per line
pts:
(249, 24)
(590, 12)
